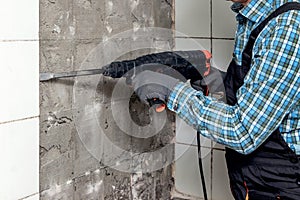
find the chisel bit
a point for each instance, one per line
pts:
(47, 76)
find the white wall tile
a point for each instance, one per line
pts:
(184, 133)
(19, 142)
(222, 53)
(19, 80)
(33, 197)
(192, 44)
(187, 135)
(187, 176)
(192, 17)
(223, 19)
(19, 20)
(220, 180)
(218, 146)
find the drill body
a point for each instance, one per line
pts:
(193, 65)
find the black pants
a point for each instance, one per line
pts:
(270, 172)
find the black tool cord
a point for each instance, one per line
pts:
(201, 167)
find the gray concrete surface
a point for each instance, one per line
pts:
(69, 30)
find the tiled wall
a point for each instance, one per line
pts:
(19, 109)
(203, 24)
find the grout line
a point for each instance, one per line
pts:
(89, 39)
(211, 26)
(24, 198)
(17, 120)
(173, 15)
(206, 38)
(29, 40)
(193, 145)
(211, 50)
(70, 39)
(218, 149)
(211, 174)
(52, 40)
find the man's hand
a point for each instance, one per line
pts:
(150, 85)
(214, 83)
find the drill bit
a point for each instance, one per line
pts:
(47, 76)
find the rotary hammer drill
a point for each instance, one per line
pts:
(191, 65)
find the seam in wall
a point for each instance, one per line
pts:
(17, 120)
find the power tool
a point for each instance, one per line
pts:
(192, 65)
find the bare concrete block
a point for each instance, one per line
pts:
(163, 16)
(118, 185)
(56, 20)
(56, 147)
(59, 192)
(84, 161)
(58, 130)
(117, 17)
(102, 184)
(56, 56)
(89, 17)
(82, 57)
(54, 98)
(57, 171)
(155, 185)
(90, 185)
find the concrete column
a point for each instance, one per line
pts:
(70, 30)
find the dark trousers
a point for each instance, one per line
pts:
(270, 172)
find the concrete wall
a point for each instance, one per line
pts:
(74, 35)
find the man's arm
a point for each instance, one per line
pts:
(271, 89)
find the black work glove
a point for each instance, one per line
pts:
(150, 85)
(213, 82)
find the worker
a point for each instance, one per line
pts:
(260, 122)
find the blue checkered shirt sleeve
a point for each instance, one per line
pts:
(270, 91)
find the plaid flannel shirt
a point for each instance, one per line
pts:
(270, 95)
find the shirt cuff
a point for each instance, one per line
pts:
(180, 96)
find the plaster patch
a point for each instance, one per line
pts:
(72, 30)
(109, 6)
(134, 4)
(104, 38)
(109, 29)
(53, 190)
(136, 26)
(151, 21)
(135, 188)
(56, 29)
(68, 14)
(86, 4)
(94, 188)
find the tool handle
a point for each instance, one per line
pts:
(160, 105)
